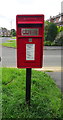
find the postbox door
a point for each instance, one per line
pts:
(30, 52)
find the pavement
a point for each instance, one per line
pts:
(53, 47)
(55, 74)
(50, 69)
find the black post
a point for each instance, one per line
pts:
(28, 85)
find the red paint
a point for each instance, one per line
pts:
(30, 26)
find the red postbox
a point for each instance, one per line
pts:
(30, 36)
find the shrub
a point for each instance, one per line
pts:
(46, 26)
(52, 32)
(59, 39)
(47, 43)
(60, 28)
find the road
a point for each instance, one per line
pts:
(8, 55)
(4, 39)
(51, 58)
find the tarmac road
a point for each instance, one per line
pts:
(49, 59)
(4, 39)
(51, 56)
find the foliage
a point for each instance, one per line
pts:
(13, 32)
(45, 96)
(52, 32)
(46, 26)
(47, 43)
(59, 39)
(60, 28)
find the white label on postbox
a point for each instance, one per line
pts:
(30, 51)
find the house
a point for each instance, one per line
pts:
(5, 32)
(1, 33)
(58, 19)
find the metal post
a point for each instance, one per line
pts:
(28, 85)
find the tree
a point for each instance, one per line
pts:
(13, 32)
(60, 28)
(59, 39)
(52, 32)
(46, 26)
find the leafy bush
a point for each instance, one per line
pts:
(60, 28)
(52, 32)
(47, 43)
(13, 32)
(46, 27)
(59, 39)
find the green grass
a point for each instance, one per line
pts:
(11, 43)
(13, 37)
(45, 96)
(11, 40)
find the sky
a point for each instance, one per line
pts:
(10, 8)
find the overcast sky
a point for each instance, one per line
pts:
(10, 8)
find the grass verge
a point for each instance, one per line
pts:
(45, 96)
(13, 37)
(11, 43)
